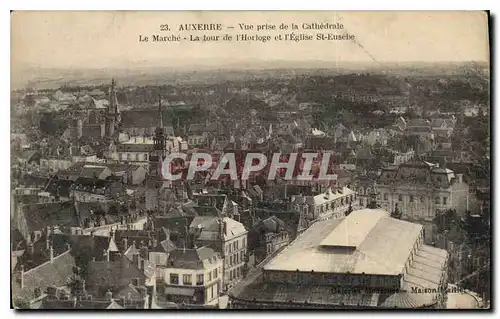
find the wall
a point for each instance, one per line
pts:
(235, 251)
(212, 284)
(333, 279)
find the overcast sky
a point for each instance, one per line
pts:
(110, 39)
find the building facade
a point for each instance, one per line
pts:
(420, 190)
(331, 204)
(191, 276)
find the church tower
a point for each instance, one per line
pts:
(159, 145)
(112, 111)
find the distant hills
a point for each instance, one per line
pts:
(209, 71)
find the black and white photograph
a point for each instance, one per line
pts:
(226, 160)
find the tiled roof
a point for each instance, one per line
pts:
(406, 300)
(39, 216)
(55, 273)
(80, 304)
(146, 148)
(143, 118)
(272, 224)
(191, 258)
(92, 171)
(116, 274)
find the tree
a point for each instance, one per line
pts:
(396, 213)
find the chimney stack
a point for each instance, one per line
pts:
(135, 260)
(125, 244)
(51, 253)
(83, 286)
(109, 295)
(22, 276)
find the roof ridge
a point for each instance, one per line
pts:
(47, 262)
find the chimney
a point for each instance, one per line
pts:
(109, 295)
(51, 253)
(135, 260)
(82, 282)
(144, 293)
(144, 252)
(75, 300)
(125, 244)
(22, 276)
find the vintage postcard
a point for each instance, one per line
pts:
(250, 159)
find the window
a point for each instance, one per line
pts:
(445, 200)
(174, 279)
(129, 156)
(231, 260)
(215, 273)
(386, 197)
(400, 198)
(244, 241)
(199, 279)
(236, 258)
(209, 276)
(422, 199)
(237, 244)
(186, 280)
(437, 200)
(158, 259)
(234, 246)
(411, 198)
(145, 156)
(241, 256)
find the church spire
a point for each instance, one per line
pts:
(160, 115)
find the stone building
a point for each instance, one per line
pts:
(228, 237)
(191, 276)
(421, 189)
